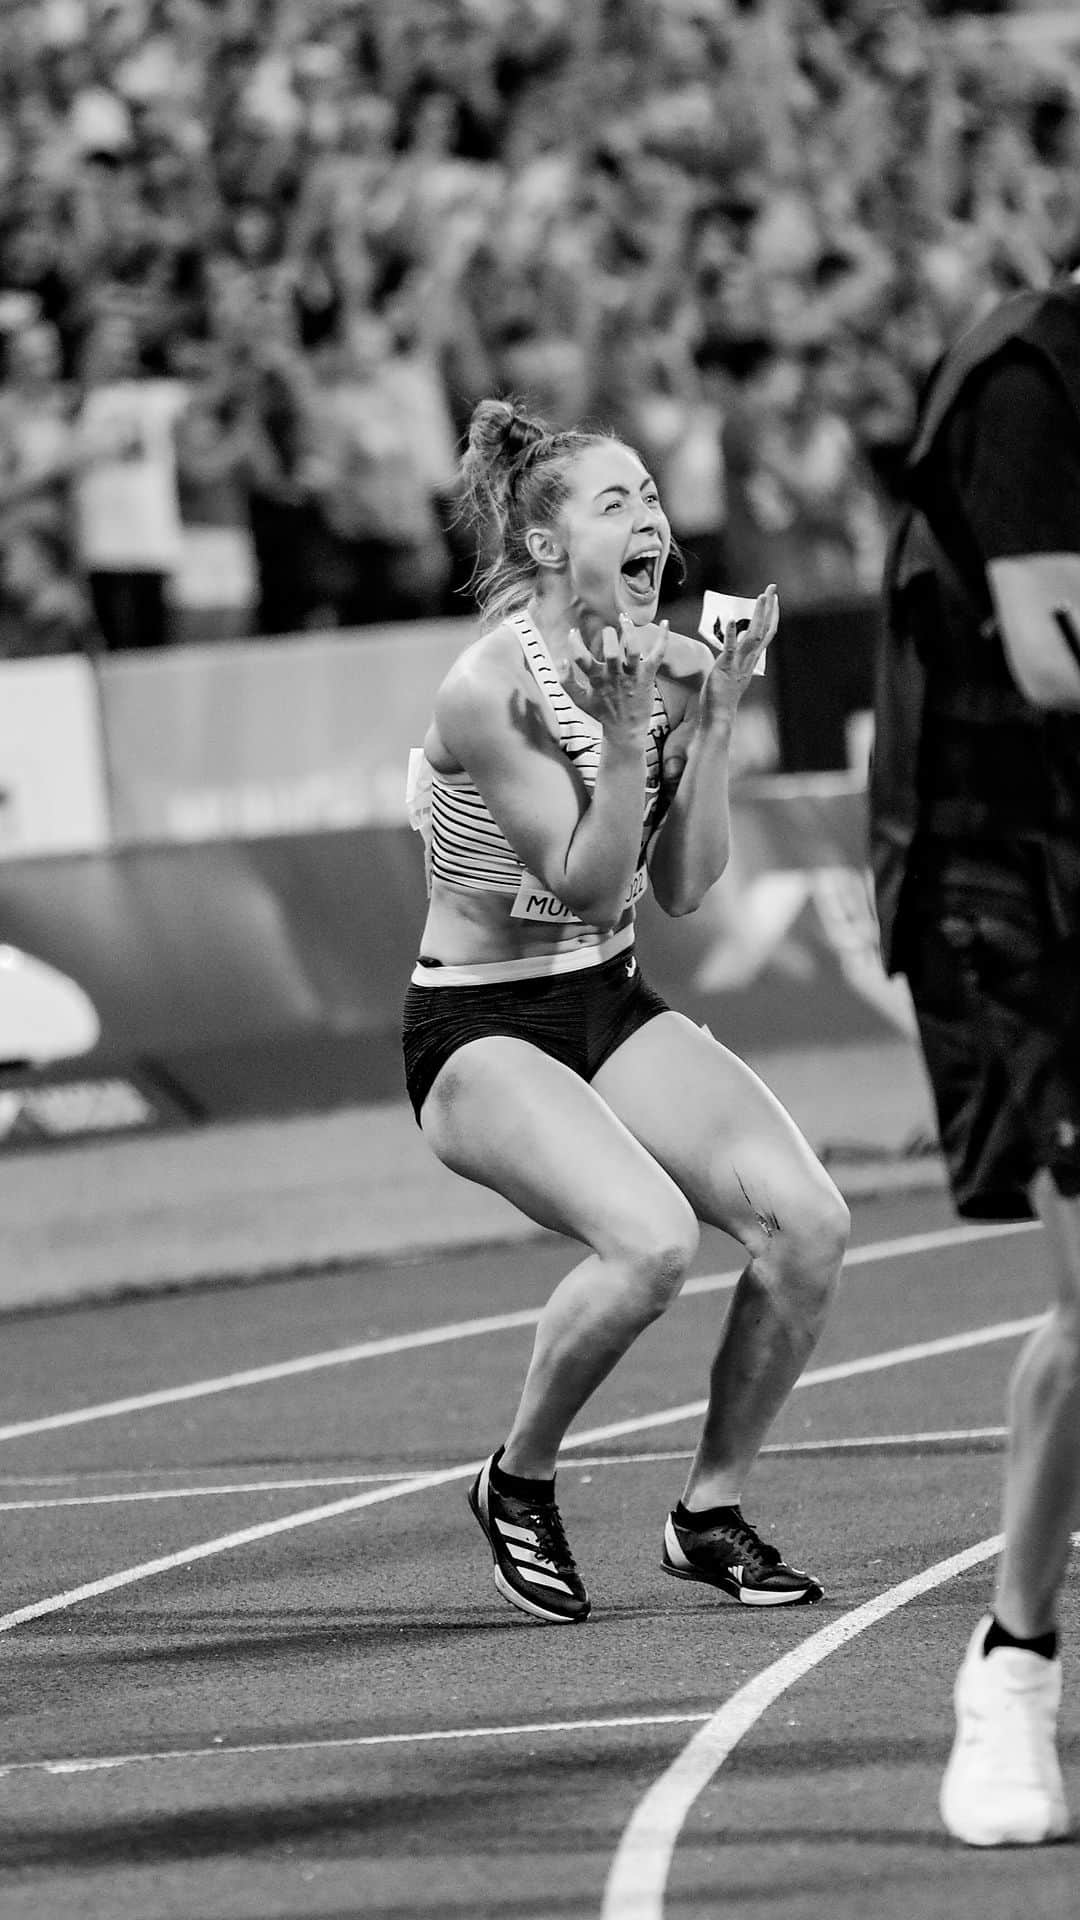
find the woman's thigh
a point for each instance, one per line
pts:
(504, 1114)
(722, 1135)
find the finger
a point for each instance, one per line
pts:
(631, 650)
(762, 627)
(612, 645)
(764, 615)
(577, 657)
(585, 620)
(653, 656)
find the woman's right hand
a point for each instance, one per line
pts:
(615, 684)
(736, 656)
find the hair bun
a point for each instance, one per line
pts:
(521, 433)
(499, 433)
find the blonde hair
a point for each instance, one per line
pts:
(515, 476)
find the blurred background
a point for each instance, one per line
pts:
(258, 261)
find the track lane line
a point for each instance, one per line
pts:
(639, 1872)
(106, 1762)
(902, 1247)
(420, 1483)
(957, 1437)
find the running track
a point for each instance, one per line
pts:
(254, 1664)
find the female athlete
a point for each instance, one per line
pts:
(578, 752)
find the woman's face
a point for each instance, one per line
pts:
(616, 534)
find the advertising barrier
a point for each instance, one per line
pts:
(235, 978)
(237, 741)
(235, 938)
(266, 976)
(53, 792)
(243, 739)
(784, 951)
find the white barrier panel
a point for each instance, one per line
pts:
(53, 796)
(235, 741)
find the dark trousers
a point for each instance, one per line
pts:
(131, 610)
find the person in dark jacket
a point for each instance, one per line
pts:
(975, 842)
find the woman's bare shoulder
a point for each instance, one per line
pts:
(484, 668)
(477, 691)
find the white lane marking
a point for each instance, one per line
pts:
(839, 1443)
(133, 1496)
(419, 1483)
(105, 1762)
(276, 1370)
(840, 1370)
(900, 1248)
(639, 1871)
(227, 1543)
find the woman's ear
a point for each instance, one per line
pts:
(544, 549)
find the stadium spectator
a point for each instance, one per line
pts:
(859, 181)
(44, 605)
(256, 433)
(126, 504)
(37, 435)
(368, 475)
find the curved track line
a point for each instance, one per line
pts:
(419, 1483)
(868, 1255)
(638, 1876)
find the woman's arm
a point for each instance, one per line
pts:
(583, 846)
(691, 847)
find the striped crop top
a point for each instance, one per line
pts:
(465, 847)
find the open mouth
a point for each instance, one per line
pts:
(642, 576)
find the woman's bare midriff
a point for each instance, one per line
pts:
(465, 927)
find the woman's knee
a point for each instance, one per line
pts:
(808, 1251)
(1050, 1361)
(657, 1248)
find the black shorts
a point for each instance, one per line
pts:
(994, 972)
(578, 1018)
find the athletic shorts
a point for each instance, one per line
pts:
(579, 1018)
(994, 973)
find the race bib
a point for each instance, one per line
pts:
(533, 901)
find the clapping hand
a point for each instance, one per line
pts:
(737, 653)
(615, 683)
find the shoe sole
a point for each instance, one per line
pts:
(503, 1585)
(1047, 1833)
(748, 1596)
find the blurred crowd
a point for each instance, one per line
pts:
(259, 259)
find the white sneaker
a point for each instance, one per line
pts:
(1003, 1784)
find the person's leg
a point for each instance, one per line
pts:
(505, 1114)
(510, 1117)
(739, 1158)
(1042, 1478)
(103, 595)
(149, 611)
(130, 609)
(1003, 1784)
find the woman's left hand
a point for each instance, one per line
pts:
(737, 655)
